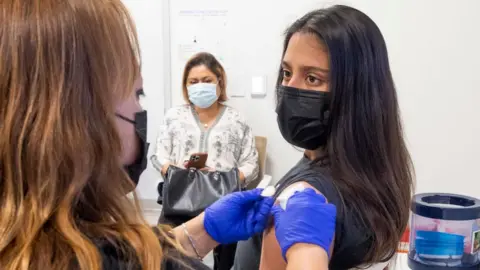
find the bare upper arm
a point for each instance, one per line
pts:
(271, 258)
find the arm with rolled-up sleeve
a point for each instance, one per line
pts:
(248, 162)
(164, 145)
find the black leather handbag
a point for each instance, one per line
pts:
(187, 192)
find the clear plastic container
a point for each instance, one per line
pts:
(447, 243)
(442, 243)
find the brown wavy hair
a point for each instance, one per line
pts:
(63, 67)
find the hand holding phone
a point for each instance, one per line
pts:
(197, 160)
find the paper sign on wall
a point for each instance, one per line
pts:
(202, 30)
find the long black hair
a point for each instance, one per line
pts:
(370, 162)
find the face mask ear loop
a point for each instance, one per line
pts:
(125, 118)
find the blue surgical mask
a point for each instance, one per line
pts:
(202, 95)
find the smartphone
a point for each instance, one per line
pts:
(197, 161)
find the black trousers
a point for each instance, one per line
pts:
(223, 255)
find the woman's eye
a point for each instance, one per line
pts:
(286, 74)
(314, 80)
(140, 93)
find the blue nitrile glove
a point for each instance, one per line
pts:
(307, 219)
(237, 216)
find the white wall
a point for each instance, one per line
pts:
(434, 47)
(252, 47)
(434, 52)
(149, 19)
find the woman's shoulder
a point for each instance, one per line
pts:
(234, 114)
(307, 174)
(114, 257)
(182, 262)
(177, 111)
(317, 175)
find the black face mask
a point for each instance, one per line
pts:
(303, 116)
(135, 169)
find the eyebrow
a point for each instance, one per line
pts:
(284, 63)
(203, 78)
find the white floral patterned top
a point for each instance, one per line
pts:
(229, 141)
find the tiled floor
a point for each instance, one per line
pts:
(151, 212)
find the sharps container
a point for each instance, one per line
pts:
(444, 232)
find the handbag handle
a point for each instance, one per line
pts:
(191, 173)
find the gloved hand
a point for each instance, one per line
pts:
(237, 216)
(307, 219)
